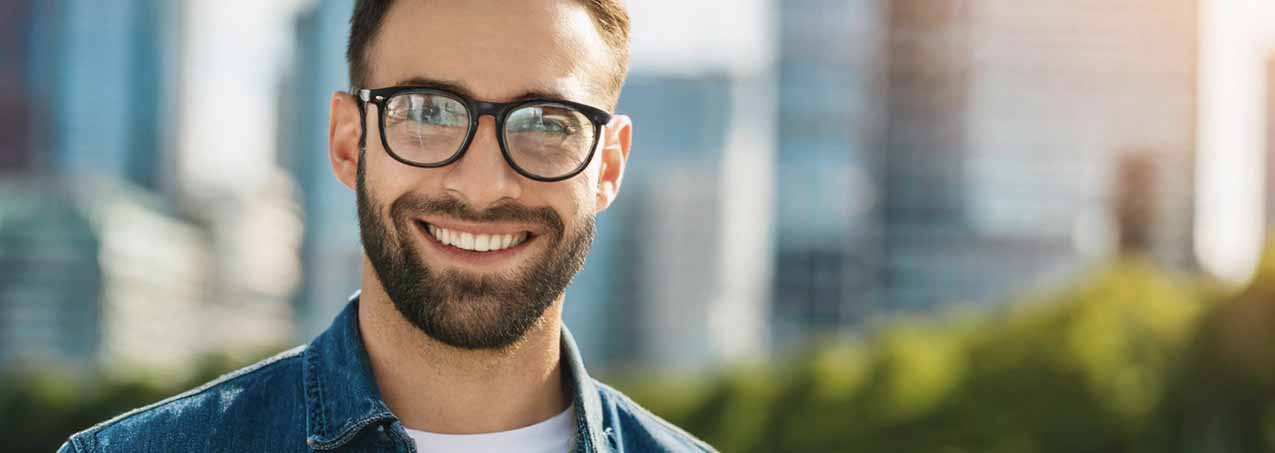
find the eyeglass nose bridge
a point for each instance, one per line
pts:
(497, 112)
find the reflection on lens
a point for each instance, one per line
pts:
(548, 140)
(425, 128)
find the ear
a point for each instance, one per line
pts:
(615, 154)
(343, 138)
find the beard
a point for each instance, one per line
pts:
(462, 309)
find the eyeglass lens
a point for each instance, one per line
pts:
(544, 139)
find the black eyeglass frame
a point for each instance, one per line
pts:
(476, 109)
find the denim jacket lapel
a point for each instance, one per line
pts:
(342, 397)
(590, 435)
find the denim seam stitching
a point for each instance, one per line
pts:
(632, 405)
(89, 443)
(315, 393)
(584, 436)
(352, 431)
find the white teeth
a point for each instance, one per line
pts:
(477, 243)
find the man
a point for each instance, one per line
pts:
(478, 140)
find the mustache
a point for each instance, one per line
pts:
(411, 205)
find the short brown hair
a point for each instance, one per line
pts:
(610, 16)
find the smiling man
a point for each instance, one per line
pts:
(479, 141)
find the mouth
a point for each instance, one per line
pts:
(475, 245)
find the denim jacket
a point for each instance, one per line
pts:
(322, 397)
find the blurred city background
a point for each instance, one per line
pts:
(875, 225)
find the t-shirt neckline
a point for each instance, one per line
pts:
(552, 434)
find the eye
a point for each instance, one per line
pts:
(428, 110)
(554, 125)
(544, 121)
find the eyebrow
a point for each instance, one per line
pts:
(459, 88)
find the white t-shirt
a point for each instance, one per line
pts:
(552, 435)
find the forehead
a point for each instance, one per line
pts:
(496, 49)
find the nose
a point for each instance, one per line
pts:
(482, 177)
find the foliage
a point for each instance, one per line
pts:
(1130, 360)
(39, 411)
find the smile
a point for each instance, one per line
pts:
(476, 242)
(472, 241)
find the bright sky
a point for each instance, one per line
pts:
(1238, 38)
(679, 36)
(234, 54)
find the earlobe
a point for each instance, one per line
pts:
(615, 154)
(343, 138)
(605, 193)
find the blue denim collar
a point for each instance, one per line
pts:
(342, 397)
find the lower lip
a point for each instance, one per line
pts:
(467, 257)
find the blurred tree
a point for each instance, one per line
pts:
(1129, 360)
(1224, 395)
(1086, 369)
(40, 410)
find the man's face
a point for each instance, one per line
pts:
(496, 51)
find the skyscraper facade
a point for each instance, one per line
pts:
(1041, 102)
(92, 255)
(963, 151)
(330, 251)
(103, 82)
(830, 127)
(651, 278)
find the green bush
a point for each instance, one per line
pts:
(40, 410)
(1130, 360)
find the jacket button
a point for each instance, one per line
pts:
(382, 437)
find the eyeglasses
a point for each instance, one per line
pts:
(542, 139)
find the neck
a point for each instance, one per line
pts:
(435, 387)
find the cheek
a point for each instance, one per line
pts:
(584, 193)
(570, 199)
(389, 179)
(585, 187)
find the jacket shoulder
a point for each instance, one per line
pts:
(261, 404)
(640, 429)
